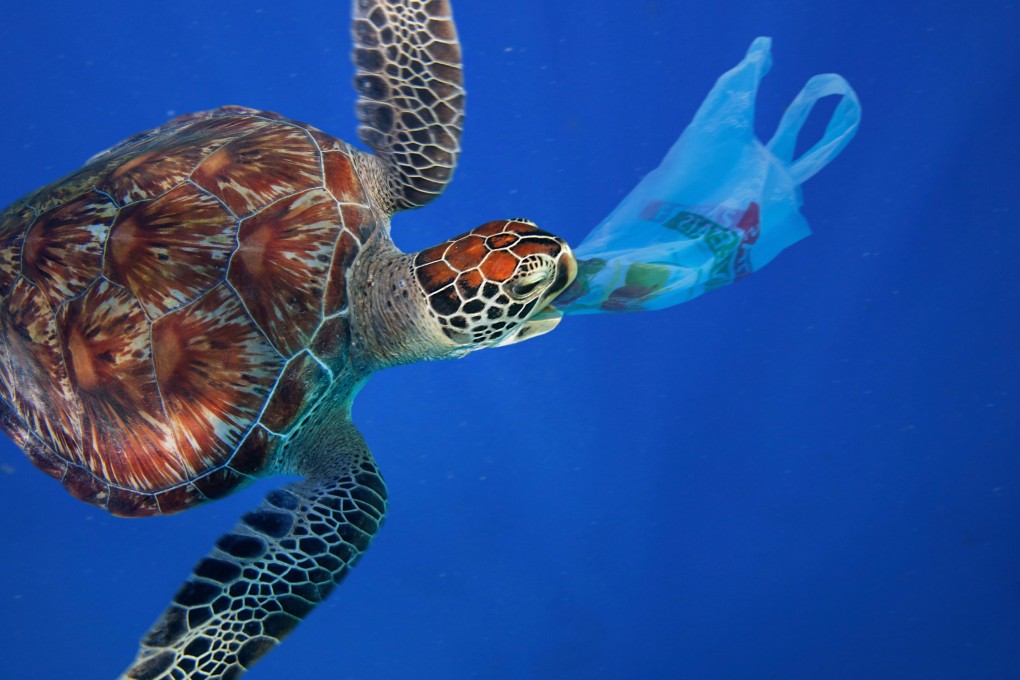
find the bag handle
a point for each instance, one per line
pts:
(840, 130)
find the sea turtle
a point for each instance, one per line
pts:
(199, 305)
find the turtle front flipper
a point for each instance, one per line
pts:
(260, 580)
(410, 96)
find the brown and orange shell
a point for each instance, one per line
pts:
(171, 310)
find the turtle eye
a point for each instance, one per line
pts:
(526, 285)
(521, 289)
(534, 272)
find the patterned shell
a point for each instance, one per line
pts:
(171, 310)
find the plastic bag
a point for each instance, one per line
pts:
(720, 206)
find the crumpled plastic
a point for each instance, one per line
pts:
(721, 204)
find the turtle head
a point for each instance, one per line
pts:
(492, 286)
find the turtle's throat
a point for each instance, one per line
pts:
(390, 323)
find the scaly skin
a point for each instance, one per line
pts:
(287, 556)
(201, 304)
(476, 290)
(279, 562)
(411, 111)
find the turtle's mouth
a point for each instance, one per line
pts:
(546, 317)
(566, 272)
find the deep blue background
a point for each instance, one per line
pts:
(812, 474)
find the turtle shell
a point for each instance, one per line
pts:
(171, 310)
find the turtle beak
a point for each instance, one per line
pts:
(566, 272)
(547, 317)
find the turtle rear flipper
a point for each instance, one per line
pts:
(264, 577)
(410, 95)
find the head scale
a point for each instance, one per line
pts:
(492, 285)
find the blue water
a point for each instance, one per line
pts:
(814, 473)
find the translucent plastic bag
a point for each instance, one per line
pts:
(720, 206)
